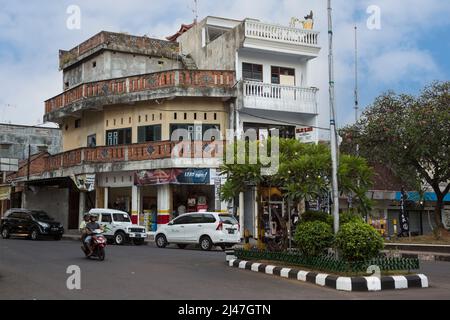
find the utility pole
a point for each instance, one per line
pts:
(333, 132)
(356, 84)
(29, 162)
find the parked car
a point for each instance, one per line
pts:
(30, 223)
(118, 227)
(207, 229)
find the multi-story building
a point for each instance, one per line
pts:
(16, 143)
(125, 99)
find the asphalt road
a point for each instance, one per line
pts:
(37, 270)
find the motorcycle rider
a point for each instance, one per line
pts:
(91, 226)
(82, 227)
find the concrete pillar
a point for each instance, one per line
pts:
(99, 197)
(241, 213)
(82, 209)
(106, 198)
(135, 204)
(164, 204)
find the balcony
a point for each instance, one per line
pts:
(151, 155)
(264, 96)
(264, 36)
(159, 85)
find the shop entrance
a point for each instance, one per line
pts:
(120, 199)
(149, 214)
(193, 198)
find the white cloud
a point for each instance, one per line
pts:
(32, 32)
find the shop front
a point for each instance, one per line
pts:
(5, 199)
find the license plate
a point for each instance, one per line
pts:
(231, 231)
(138, 236)
(54, 229)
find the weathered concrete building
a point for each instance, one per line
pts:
(128, 101)
(16, 142)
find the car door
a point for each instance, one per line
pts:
(176, 229)
(195, 228)
(27, 223)
(12, 222)
(107, 223)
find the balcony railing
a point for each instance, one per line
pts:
(134, 84)
(134, 152)
(266, 96)
(259, 30)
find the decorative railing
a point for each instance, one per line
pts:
(139, 83)
(135, 152)
(260, 30)
(279, 98)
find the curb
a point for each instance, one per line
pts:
(361, 284)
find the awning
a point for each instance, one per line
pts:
(415, 196)
(5, 193)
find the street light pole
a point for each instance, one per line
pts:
(334, 145)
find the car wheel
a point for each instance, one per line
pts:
(161, 241)
(138, 242)
(5, 233)
(119, 238)
(182, 246)
(206, 243)
(34, 235)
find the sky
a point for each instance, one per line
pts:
(408, 51)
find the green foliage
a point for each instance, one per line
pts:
(304, 173)
(410, 136)
(312, 238)
(347, 217)
(311, 216)
(358, 241)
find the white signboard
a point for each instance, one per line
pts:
(305, 135)
(446, 217)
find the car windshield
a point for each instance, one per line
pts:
(228, 219)
(121, 217)
(41, 215)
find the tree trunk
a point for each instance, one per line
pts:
(438, 211)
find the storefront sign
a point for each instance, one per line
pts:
(305, 135)
(85, 182)
(5, 193)
(172, 176)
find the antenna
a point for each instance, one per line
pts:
(356, 76)
(195, 11)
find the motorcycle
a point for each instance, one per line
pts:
(98, 242)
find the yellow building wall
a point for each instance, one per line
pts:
(143, 114)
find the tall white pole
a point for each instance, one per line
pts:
(356, 84)
(334, 146)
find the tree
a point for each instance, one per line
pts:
(304, 173)
(411, 136)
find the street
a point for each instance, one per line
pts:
(37, 270)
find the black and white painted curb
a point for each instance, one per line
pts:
(334, 282)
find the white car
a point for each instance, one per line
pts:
(118, 226)
(207, 229)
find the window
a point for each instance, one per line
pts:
(279, 72)
(77, 123)
(209, 218)
(106, 218)
(175, 116)
(252, 72)
(195, 116)
(118, 137)
(185, 116)
(205, 116)
(149, 133)
(228, 219)
(215, 116)
(211, 132)
(92, 141)
(182, 220)
(118, 217)
(94, 64)
(196, 219)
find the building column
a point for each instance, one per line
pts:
(241, 213)
(106, 198)
(135, 204)
(82, 207)
(164, 204)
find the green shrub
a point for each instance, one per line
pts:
(311, 216)
(358, 241)
(313, 237)
(346, 217)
